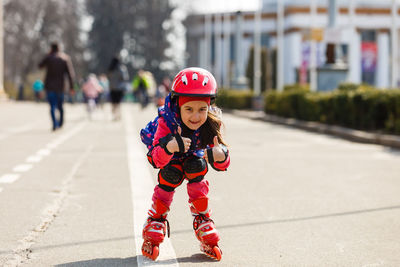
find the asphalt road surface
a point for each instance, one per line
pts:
(79, 196)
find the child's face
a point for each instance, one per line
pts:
(194, 114)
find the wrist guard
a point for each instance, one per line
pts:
(164, 141)
(210, 154)
(179, 140)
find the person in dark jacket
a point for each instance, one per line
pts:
(117, 77)
(58, 65)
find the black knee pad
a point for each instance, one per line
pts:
(195, 168)
(171, 176)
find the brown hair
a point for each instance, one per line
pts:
(212, 127)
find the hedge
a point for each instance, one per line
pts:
(235, 99)
(359, 107)
(355, 106)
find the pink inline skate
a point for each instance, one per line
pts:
(204, 229)
(155, 229)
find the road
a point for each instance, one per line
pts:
(78, 196)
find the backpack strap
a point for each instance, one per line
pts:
(181, 145)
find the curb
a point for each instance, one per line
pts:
(346, 133)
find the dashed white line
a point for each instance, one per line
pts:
(22, 168)
(34, 159)
(9, 178)
(43, 152)
(21, 253)
(142, 187)
(12, 177)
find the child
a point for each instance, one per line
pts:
(91, 89)
(187, 135)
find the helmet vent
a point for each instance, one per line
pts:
(205, 81)
(184, 80)
(195, 77)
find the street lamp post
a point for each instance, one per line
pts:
(227, 49)
(280, 45)
(2, 93)
(394, 45)
(257, 52)
(257, 100)
(313, 48)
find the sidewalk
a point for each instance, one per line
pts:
(346, 133)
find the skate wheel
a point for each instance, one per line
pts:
(218, 253)
(150, 251)
(212, 252)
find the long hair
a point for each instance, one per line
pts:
(212, 127)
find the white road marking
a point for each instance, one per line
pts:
(22, 168)
(34, 159)
(142, 188)
(43, 152)
(9, 178)
(21, 253)
(12, 177)
(1, 189)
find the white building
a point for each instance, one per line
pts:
(362, 33)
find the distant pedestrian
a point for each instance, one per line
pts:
(38, 87)
(184, 137)
(103, 96)
(58, 65)
(117, 78)
(141, 85)
(91, 90)
(20, 92)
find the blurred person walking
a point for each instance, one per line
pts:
(91, 90)
(103, 96)
(58, 65)
(141, 86)
(117, 77)
(37, 88)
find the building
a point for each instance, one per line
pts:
(360, 32)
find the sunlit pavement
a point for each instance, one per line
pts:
(290, 198)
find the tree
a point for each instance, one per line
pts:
(30, 27)
(134, 29)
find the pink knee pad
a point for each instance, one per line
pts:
(165, 196)
(197, 190)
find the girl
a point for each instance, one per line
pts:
(187, 136)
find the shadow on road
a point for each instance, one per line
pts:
(195, 257)
(132, 261)
(322, 216)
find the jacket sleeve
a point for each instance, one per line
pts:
(43, 63)
(159, 156)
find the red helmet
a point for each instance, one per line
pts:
(196, 82)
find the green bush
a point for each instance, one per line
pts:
(345, 87)
(296, 87)
(362, 108)
(234, 99)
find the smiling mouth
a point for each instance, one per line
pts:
(192, 122)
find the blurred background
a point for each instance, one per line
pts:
(256, 47)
